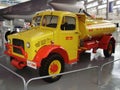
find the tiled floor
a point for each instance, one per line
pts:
(87, 79)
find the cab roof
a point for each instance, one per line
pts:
(58, 13)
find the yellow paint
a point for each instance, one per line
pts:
(99, 27)
(51, 68)
(39, 36)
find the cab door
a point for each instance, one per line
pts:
(68, 37)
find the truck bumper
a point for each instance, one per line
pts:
(17, 61)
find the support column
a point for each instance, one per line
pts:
(107, 10)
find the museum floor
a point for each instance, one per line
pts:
(92, 72)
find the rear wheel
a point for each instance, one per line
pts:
(108, 52)
(54, 64)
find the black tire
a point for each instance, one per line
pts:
(6, 35)
(11, 58)
(9, 33)
(108, 52)
(45, 66)
(13, 32)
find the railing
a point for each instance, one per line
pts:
(101, 70)
(14, 73)
(98, 71)
(65, 73)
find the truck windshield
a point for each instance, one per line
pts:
(36, 21)
(50, 21)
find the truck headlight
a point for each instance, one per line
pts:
(28, 45)
(9, 41)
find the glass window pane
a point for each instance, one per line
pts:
(50, 21)
(68, 23)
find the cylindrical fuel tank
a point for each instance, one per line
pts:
(96, 28)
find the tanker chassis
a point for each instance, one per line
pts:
(57, 38)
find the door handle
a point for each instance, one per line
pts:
(76, 32)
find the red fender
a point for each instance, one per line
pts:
(46, 50)
(105, 41)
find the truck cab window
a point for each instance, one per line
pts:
(36, 21)
(68, 23)
(50, 21)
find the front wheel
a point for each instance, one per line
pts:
(53, 64)
(108, 52)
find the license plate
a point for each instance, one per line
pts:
(31, 64)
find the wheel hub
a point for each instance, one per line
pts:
(54, 68)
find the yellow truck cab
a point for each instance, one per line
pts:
(57, 38)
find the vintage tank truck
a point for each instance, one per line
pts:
(57, 38)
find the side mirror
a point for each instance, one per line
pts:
(117, 24)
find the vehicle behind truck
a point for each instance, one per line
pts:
(57, 38)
